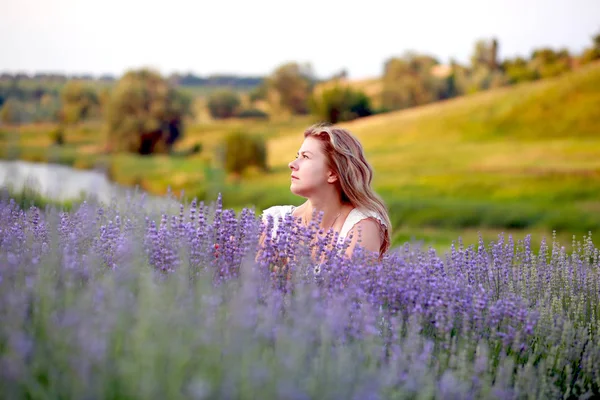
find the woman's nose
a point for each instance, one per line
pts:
(292, 164)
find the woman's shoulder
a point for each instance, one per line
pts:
(357, 215)
(277, 211)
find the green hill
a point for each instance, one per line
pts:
(523, 157)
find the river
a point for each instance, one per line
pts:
(61, 183)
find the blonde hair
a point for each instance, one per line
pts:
(346, 158)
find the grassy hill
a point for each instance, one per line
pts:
(522, 159)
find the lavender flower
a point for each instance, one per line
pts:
(126, 301)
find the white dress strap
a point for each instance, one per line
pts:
(278, 213)
(355, 216)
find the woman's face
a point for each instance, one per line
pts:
(310, 172)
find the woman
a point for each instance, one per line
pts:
(331, 172)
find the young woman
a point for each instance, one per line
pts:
(330, 170)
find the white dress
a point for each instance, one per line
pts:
(356, 215)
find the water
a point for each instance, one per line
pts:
(62, 183)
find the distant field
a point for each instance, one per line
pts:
(521, 159)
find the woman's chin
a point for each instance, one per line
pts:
(295, 190)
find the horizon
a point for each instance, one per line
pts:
(62, 36)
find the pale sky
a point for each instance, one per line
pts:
(254, 37)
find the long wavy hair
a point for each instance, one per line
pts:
(346, 158)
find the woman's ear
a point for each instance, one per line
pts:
(332, 177)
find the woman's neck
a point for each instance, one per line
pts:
(329, 204)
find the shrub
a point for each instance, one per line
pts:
(340, 103)
(223, 103)
(57, 135)
(196, 149)
(242, 150)
(251, 113)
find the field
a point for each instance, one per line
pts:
(138, 300)
(123, 302)
(519, 160)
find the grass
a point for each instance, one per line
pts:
(523, 158)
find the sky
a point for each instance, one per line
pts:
(254, 37)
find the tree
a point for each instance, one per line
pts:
(592, 53)
(485, 71)
(518, 70)
(485, 54)
(408, 81)
(242, 150)
(13, 112)
(340, 103)
(145, 113)
(79, 101)
(292, 84)
(259, 93)
(549, 63)
(223, 103)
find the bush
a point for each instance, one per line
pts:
(252, 113)
(14, 112)
(57, 136)
(223, 103)
(589, 55)
(518, 70)
(79, 102)
(242, 150)
(196, 149)
(340, 104)
(549, 63)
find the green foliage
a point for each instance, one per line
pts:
(590, 55)
(28, 197)
(26, 91)
(517, 70)
(145, 113)
(252, 113)
(340, 103)
(57, 135)
(223, 103)
(48, 109)
(79, 102)
(485, 54)
(292, 84)
(549, 63)
(242, 150)
(259, 93)
(38, 99)
(13, 112)
(593, 53)
(484, 73)
(197, 148)
(408, 81)
(481, 78)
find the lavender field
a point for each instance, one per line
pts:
(127, 301)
